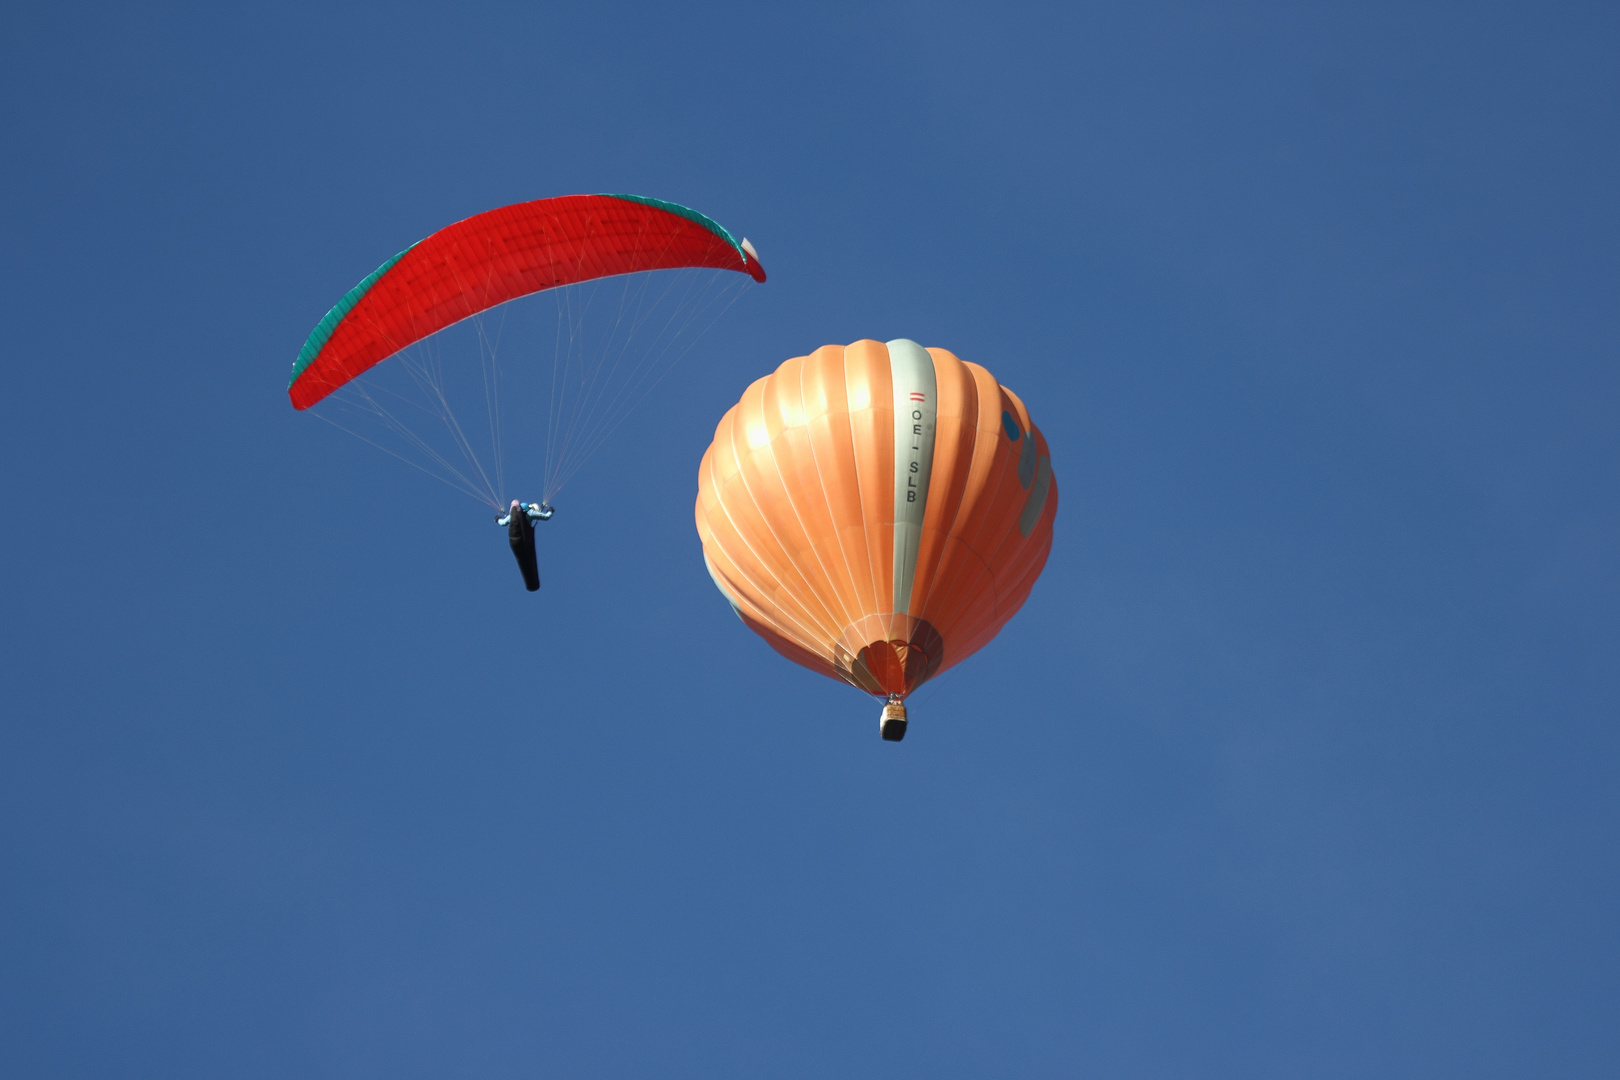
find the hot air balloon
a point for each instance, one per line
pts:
(635, 280)
(877, 512)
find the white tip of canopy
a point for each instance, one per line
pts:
(746, 246)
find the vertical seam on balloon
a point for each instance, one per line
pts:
(983, 504)
(1000, 481)
(774, 623)
(742, 474)
(945, 628)
(822, 483)
(721, 544)
(1008, 537)
(1040, 483)
(714, 576)
(1031, 552)
(772, 619)
(797, 517)
(1039, 488)
(777, 464)
(860, 493)
(820, 480)
(947, 575)
(989, 572)
(948, 563)
(777, 539)
(1012, 524)
(1024, 583)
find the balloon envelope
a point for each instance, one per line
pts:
(876, 512)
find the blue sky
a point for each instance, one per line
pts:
(1300, 761)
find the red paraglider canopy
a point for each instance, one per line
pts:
(497, 256)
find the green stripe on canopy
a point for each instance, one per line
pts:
(689, 214)
(323, 329)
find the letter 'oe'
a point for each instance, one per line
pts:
(877, 512)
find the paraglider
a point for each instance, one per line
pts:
(497, 256)
(877, 512)
(549, 245)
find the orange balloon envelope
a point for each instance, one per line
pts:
(877, 512)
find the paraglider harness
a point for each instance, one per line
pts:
(519, 521)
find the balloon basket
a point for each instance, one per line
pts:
(892, 724)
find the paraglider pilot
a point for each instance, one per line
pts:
(519, 520)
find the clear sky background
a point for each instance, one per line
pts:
(1301, 760)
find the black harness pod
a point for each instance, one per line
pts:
(520, 534)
